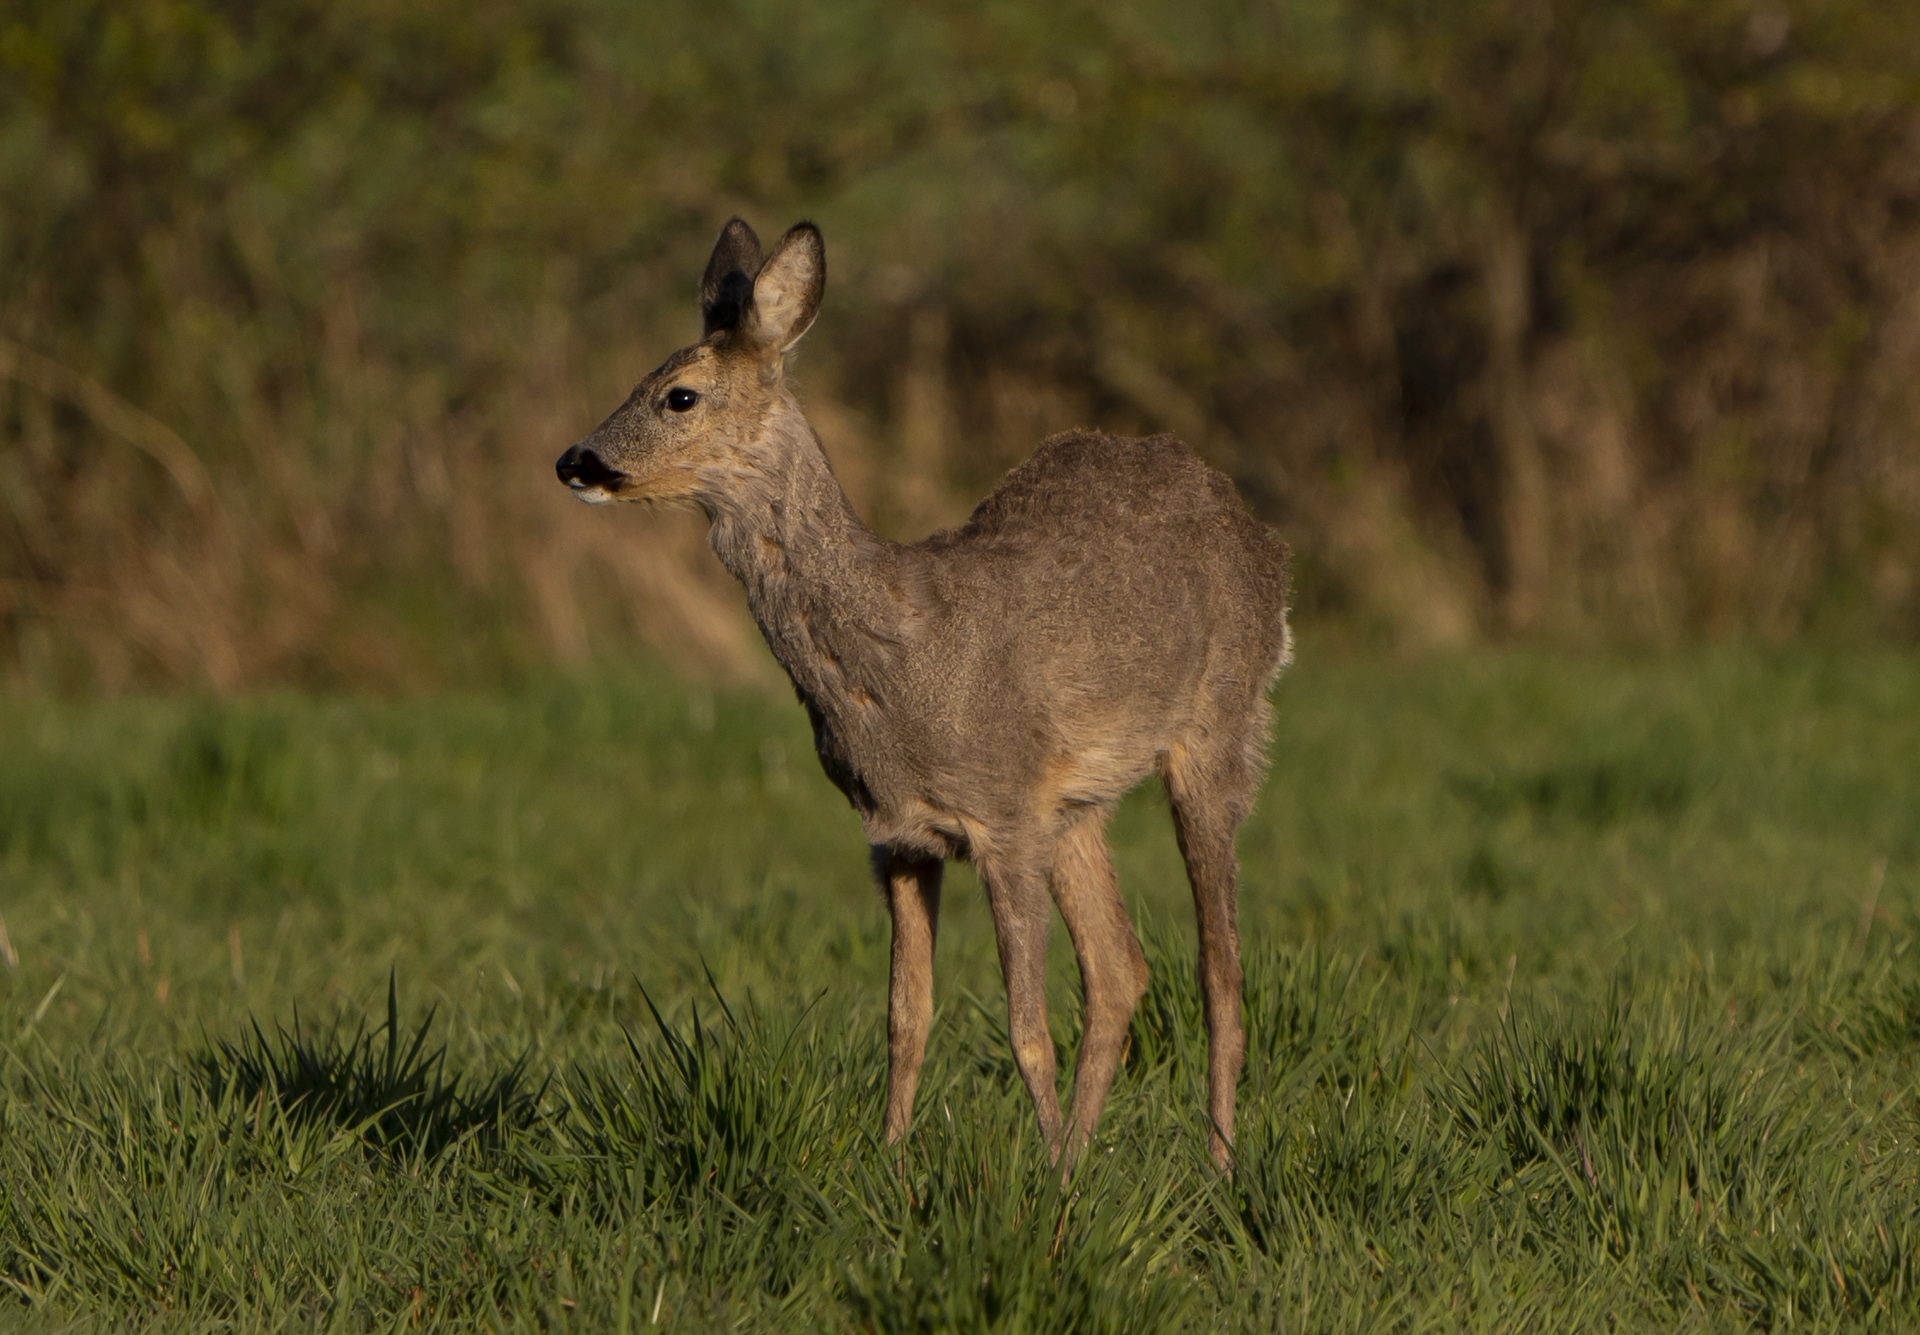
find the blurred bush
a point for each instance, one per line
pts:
(1579, 320)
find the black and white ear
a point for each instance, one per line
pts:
(726, 292)
(786, 295)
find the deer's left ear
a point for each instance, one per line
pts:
(727, 290)
(787, 292)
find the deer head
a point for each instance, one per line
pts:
(697, 425)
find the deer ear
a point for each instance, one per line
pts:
(786, 295)
(727, 289)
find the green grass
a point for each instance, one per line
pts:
(1580, 995)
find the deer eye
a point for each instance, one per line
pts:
(680, 398)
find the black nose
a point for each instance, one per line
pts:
(580, 468)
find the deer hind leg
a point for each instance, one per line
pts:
(912, 888)
(1209, 801)
(1113, 972)
(1017, 894)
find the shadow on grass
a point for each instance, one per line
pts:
(384, 1085)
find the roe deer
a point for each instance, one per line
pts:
(992, 691)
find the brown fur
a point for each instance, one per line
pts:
(991, 692)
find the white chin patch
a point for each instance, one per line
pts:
(594, 495)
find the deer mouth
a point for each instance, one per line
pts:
(588, 476)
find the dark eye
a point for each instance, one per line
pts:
(680, 398)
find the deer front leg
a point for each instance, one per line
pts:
(1018, 897)
(912, 888)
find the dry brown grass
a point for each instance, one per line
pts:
(1573, 322)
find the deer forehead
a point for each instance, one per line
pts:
(686, 362)
(704, 366)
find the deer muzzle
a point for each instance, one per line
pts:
(588, 476)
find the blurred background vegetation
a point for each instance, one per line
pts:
(1583, 321)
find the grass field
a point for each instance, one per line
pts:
(1580, 995)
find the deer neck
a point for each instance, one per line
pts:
(826, 591)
